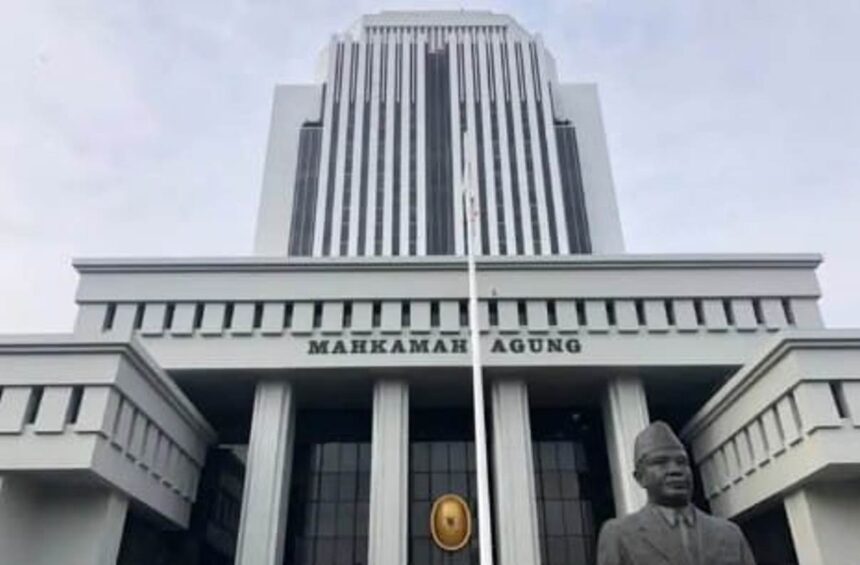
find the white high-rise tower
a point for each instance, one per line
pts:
(365, 163)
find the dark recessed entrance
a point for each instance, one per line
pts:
(330, 494)
(441, 461)
(572, 483)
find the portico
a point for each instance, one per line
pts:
(288, 334)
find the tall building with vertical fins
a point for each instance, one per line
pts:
(383, 142)
(311, 403)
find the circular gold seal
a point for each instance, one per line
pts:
(450, 522)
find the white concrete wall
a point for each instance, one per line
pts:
(292, 106)
(50, 524)
(580, 104)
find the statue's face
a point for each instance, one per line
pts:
(666, 475)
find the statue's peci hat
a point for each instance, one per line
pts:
(658, 435)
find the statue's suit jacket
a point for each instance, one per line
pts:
(645, 538)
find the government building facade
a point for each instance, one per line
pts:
(310, 404)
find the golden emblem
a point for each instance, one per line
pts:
(450, 522)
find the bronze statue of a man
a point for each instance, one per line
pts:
(669, 530)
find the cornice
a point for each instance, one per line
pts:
(573, 262)
(776, 351)
(132, 350)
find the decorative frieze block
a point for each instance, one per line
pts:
(624, 311)
(103, 411)
(784, 420)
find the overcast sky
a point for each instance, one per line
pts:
(138, 127)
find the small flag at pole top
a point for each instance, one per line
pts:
(466, 187)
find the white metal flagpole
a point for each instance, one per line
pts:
(485, 535)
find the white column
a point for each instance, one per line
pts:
(360, 96)
(388, 187)
(388, 536)
(403, 150)
(420, 147)
(552, 149)
(111, 510)
(520, 151)
(502, 120)
(454, 74)
(322, 184)
(625, 414)
(824, 520)
(267, 476)
(489, 208)
(471, 139)
(373, 157)
(43, 523)
(537, 163)
(343, 94)
(516, 504)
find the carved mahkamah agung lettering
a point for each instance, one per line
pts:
(394, 346)
(536, 345)
(441, 346)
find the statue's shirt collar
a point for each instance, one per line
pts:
(673, 516)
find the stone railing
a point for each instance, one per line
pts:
(100, 411)
(789, 417)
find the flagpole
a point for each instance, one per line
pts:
(485, 538)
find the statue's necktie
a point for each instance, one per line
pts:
(687, 533)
